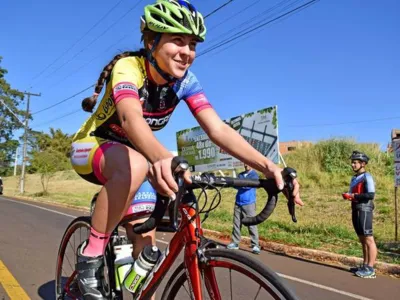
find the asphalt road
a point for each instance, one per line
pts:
(30, 234)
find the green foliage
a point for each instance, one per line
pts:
(327, 162)
(56, 141)
(7, 150)
(47, 163)
(9, 100)
(275, 119)
(335, 155)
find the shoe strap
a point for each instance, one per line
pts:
(91, 264)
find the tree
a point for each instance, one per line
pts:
(47, 163)
(55, 141)
(7, 151)
(10, 99)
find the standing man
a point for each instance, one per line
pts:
(361, 195)
(1, 186)
(245, 205)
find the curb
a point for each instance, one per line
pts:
(316, 256)
(311, 255)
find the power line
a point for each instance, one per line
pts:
(217, 9)
(229, 40)
(80, 39)
(58, 118)
(248, 23)
(213, 47)
(51, 106)
(124, 37)
(231, 17)
(11, 111)
(90, 61)
(62, 101)
(94, 40)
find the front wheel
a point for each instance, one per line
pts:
(229, 274)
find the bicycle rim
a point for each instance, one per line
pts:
(235, 276)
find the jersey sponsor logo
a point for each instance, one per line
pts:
(80, 153)
(117, 130)
(163, 96)
(158, 122)
(125, 86)
(137, 208)
(108, 105)
(101, 116)
(83, 150)
(145, 196)
(162, 104)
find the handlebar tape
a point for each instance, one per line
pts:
(272, 190)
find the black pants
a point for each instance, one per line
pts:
(362, 221)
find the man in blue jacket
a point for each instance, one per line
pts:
(245, 205)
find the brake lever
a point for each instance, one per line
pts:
(178, 165)
(289, 174)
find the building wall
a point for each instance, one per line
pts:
(285, 147)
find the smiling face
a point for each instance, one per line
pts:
(175, 53)
(357, 165)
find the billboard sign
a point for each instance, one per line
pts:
(259, 128)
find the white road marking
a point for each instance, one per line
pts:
(324, 287)
(351, 295)
(57, 212)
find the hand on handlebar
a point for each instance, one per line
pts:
(275, 172)
(162, 179)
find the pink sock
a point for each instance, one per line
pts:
(97, 243)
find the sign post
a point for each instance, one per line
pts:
(396, 151)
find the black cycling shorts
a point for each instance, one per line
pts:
(362, 221)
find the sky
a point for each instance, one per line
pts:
(333, 68)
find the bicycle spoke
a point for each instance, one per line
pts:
(187, 292)
(245, 275)
(230, 276)
(70, 264)
(258, 292)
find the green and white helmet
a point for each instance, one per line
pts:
(173, 16)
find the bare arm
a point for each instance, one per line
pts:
(139, 132)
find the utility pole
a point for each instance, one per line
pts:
(22, 180)
(15, 163)
(396, 151)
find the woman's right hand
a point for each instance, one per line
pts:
(160, 177)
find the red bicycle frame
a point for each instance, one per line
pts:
(187, 237)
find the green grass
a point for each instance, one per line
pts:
(323, 223)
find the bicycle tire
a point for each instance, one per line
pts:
(66, 245)
(224, 258)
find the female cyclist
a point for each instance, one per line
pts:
(116, 148)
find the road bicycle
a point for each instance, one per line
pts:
(208, 270)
